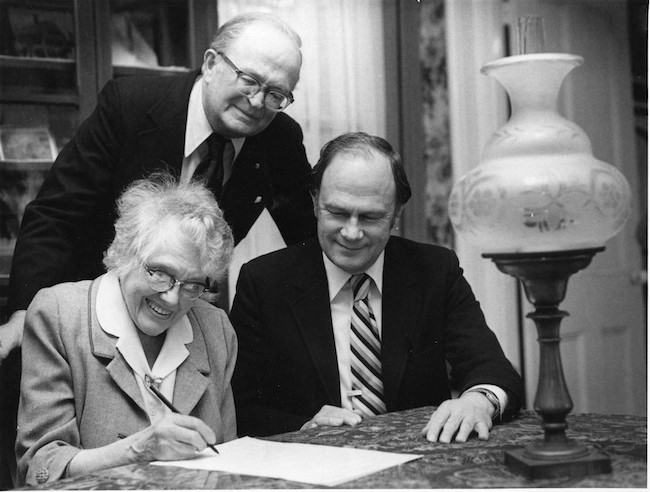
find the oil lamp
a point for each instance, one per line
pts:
(540, 206)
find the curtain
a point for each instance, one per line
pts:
(342, 81)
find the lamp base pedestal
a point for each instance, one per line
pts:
(591, 463)
(544, 277)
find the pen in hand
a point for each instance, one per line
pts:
(169, 405)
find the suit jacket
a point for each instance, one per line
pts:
(138, 127)
(287, 368)
(77, 391)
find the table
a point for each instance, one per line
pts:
(474, 464)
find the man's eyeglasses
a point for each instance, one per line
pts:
(249, 86)
(161, 281)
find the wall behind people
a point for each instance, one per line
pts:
(342, 83)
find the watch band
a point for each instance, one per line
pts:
(492, 398)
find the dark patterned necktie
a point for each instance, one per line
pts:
(365, 346)
(210, 169)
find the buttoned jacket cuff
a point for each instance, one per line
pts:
(51, 465)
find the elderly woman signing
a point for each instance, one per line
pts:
(93, 349)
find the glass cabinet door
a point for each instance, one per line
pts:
(39, 103)
(151, 37)
(55, 56)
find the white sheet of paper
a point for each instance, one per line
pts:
(263, 237)
(307, 463)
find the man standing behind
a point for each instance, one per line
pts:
(147, 124)
(358, 323)
(223, 123)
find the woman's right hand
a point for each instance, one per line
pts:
(175, 437)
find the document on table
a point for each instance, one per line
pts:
(308, 463)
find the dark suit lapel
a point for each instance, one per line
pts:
(248, 190)
(401, 303)
(162, 141)
(311, 310)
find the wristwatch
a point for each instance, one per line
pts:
(492, 398)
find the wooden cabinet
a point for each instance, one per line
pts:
(55, 56)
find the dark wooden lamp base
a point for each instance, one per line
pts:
(544, 277)
(591, 463)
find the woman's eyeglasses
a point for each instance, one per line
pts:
(161, 281)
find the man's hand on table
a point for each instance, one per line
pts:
(334, 416)
(11, 334)
(470, 412)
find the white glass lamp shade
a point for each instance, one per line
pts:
(538, 186)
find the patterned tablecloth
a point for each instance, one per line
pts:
(474, 464)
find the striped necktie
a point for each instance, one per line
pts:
(365, 345)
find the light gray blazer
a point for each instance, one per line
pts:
(77, 391)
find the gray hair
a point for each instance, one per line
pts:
(145, 211)
(232, 29)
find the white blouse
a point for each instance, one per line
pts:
(114, 318)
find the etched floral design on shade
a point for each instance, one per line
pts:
(538, 186)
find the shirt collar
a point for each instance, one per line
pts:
(114, 318)
(198, 127)
(337, 277)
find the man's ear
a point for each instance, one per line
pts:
(314, 201)
(209, 61)
(398, 211)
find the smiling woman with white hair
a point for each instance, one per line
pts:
(101, 352)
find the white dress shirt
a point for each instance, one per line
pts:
(197, 130)
(114, 318)
(341, 301)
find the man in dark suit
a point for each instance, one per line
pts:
(359, 322)
(146, 124)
